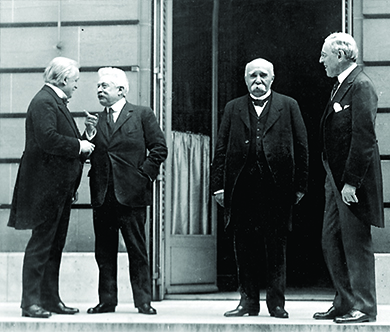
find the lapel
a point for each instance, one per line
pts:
(244, 111)
(125, 114)
(273, 109)
(64, 110)
(344, 87)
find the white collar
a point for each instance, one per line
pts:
(346, 72)
(117, 107)
(58, 91)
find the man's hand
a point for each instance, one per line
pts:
(298, 197)
(86, 147)
(75, 197)
(219, 198)
(348, 194)
(90, 122)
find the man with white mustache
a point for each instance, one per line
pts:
(259, 172)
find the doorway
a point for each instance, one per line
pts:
(289, 33)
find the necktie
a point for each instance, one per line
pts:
(110, 120)
(259, 102)
(334, 89)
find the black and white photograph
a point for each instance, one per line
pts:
(194, 165)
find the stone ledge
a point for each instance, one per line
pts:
(382, 275)
(78, 278)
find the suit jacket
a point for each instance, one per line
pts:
(284, 144)
(350, 145)
(50, 167)
(133, 153)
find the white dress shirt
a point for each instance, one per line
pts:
(259, 109)
(117, 108)
(341, 78)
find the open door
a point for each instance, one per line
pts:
(190, 234)
(190, 224)
(200, 74)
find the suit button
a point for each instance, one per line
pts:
(246, 142)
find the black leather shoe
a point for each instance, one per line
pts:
(241, 311)
(279, 312)
(332, 313)
(35, 311)
(146, 309)
(353, 317)
(101, 308)
(61, 308)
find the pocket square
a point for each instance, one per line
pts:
(337, 107)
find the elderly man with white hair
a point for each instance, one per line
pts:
(48, 177)
(129, 149)
(259, 172)
(353, 184)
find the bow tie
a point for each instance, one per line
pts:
(65, 101)
(259, 102)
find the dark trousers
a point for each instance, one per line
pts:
(348, 252)
(42, 259)
(108, 220)
(255, 215)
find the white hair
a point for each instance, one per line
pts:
(116, 76)
(341, 41)
(59, 69)
(261, 61)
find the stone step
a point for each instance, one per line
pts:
(187, 316)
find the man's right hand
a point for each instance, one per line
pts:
(219, 198)
(86, 147)
(90, 122)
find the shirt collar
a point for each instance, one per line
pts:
(117, 107)
(58, 91)
(267, 94)
(346, 72)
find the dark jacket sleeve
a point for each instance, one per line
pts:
(363, 138)
(155, 143)
(218, 163)
(301, 153)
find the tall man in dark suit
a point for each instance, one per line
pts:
(259, 171)
(47, 180)
(353, 185)
(130, 148)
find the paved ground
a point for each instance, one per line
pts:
(195, 312)
(190, 313)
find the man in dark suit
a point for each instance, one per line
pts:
(259, 171)
(47, 180)
(130, 148)
(353, 185)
